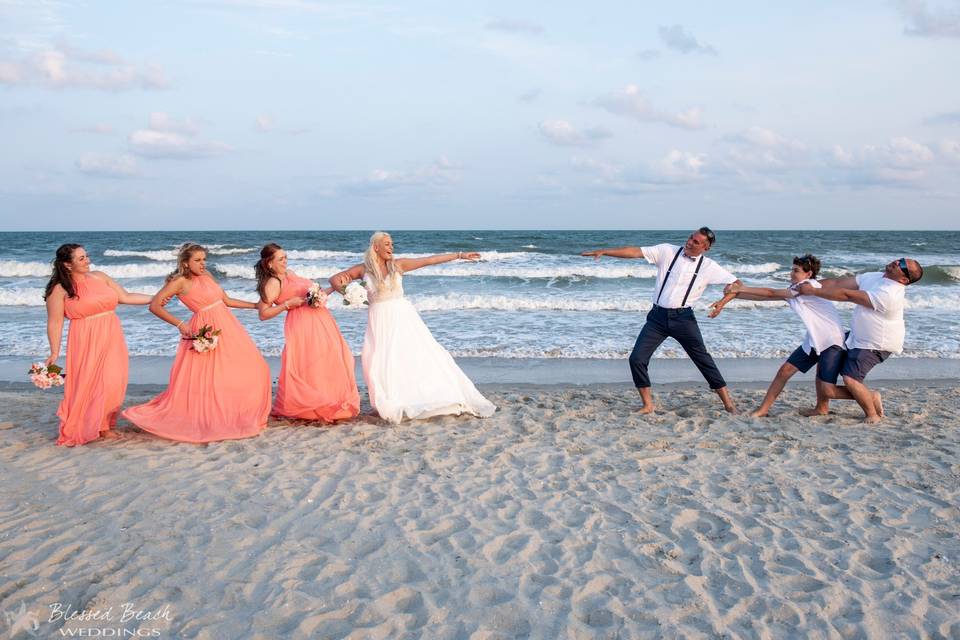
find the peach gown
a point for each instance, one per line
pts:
(317, 380)
(222, 394)
(97, 364)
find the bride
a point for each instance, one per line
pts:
(408, 374)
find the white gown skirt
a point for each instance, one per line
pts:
(409, 375)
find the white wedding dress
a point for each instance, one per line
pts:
(408, 374)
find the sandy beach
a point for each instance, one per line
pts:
(566, 515)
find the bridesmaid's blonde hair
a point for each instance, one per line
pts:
(372, 264)
(186, 252)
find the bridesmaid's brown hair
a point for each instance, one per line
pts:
(61, 275)
(262, 268)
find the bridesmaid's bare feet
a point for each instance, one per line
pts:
(873, 420)
(759, 413)
(813, 411)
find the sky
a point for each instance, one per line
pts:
(301, 114)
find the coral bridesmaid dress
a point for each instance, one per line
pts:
(222, 394)
(317, 379)
(97, 365)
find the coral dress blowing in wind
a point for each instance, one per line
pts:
(223, 394)
(317, 379)
(97, 365)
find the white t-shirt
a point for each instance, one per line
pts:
(880, 328)
(820, 318)
(662, 255)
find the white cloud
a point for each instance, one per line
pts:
(900, 162)
(940, 22)
(264, 123)
(440, 173)
(630, 103)
(678, 39)
(763, 150)
(682, 166)
(514, 26)
(108, 165)
(160, 121)
(65, 67)
(950, 150)
(166, 137)
(561, 132)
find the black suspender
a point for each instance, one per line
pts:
(667, 277)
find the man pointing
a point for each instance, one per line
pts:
(683, 273)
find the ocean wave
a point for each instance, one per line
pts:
(167, 255)
(766, 267)
(14, 269)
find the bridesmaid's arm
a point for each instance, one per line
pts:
(238, 304)
(266, 306)
(170, 289)
(340, 281)
(409, 264)
(55, 322)
(124, 296)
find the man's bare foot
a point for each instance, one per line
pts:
(647, 408)
(872, 419)
(814, 411)
(731, 409)
(878, 403)
(759, 413)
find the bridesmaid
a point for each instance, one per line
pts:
(97, 365)
(223, 394)
(317, 379)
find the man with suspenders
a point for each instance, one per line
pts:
(683, 273)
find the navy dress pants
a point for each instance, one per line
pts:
(681, 325)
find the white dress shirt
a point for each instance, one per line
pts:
(880, 328)
(662, 255)
(820, 318)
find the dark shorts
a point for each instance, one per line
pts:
(859, 362)
(828, 363)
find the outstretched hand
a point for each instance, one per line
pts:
(471, 256)
(595, 254)
(716, 308)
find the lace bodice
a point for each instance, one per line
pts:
(394, 292)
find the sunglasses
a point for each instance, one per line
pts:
(902, 263)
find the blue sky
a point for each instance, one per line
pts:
(294, 114)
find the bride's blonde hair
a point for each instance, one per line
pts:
(371, 264)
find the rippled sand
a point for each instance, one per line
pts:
(566, 515)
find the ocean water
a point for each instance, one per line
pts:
(531, 296)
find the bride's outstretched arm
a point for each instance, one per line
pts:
(409, 264)
(340, 280)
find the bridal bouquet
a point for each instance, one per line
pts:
(316, 297)
(45, 377)
(205, 340)
(355, 293)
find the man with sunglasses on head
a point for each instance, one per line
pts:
(876, 329)
(683, 274)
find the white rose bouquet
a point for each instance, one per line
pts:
(316, 297)
(45, 377)
(205, 340)
(355, 293)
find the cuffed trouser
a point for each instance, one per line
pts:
(681, 325)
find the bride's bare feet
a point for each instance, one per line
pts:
(813, 411)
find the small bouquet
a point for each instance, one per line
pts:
(316, 297)
(205, 340)
(355, 293)
(44, 377)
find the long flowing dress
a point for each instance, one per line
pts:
(223, 394)
(409, 375)
(317, 381)
(97, 364)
